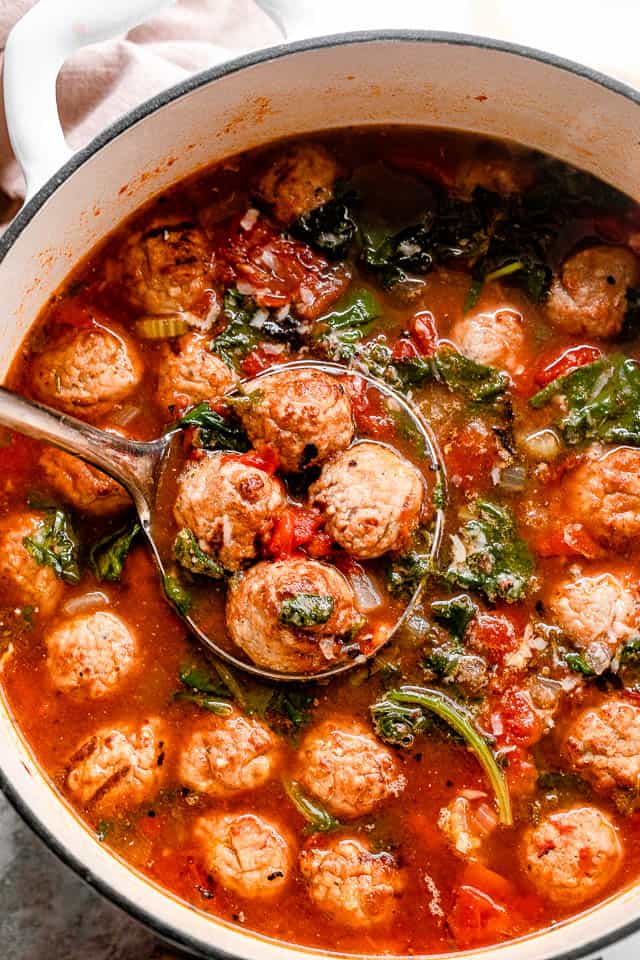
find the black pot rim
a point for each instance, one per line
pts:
(176, 938)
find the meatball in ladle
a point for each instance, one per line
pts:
(293, 615)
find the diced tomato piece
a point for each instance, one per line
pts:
(255, 362)
(425, 333)
(280, 271)
(266, 458)
(368, 408)
(151, 827)
(470, 456)
(571, 541)
(521, 725)
(404, 349)
(477, 918)
(319, 546)
(72, 312)
(492, 883)
(493, 632)
(568, 360)
(295, 527)
(521, 772)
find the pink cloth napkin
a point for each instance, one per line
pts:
(102, 82)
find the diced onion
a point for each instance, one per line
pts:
(367, 597)
(543, 445)
(246, 289)
(161, 328)
(513, 478)
(86, 601)
(249, 219)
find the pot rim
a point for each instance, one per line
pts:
(179, 939)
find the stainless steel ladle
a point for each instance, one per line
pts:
(138, 466)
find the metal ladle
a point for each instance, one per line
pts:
(138, 466)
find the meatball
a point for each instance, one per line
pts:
(372, 499)
(23, 581)
(351, 884)
(603, 745)
(229, 506)
(87, 371)
(167, 269)
(299, 180)
(118, 768)
(303, 414)
(247, 853)
(502, 174)
(228, 754)
(90, 654)
(345, 767)
(603, 494)
(189, 373)
(256, 604)
(598, 614)
(589, 296)
(571, 856)
(493, 339)
(84, 487)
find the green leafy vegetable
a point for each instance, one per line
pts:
(247, 327)
(54, 544)
(455, 614)
(492, 557)
(562, 780)
(630, 652)
(342, 328)
(442, 661)
(330, 228)
(306, 609)
(602, 402)
(473, 380)
(577, 663)
(292, 704)
(103, 829)
(220, 708)
(407, 572)
(215, 431)
(177, 594)
(199, 678)
(404, 712)
(107, 556)
(319, 819)
(189, 555)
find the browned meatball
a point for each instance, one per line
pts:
(304, 415)
(598, 613)
(23, 581)
(589, 296)
(348, 769)
(603, 493)
(247, 853)
(493, 339)
(372, 499)
(118, 767)
(84, 487)
(85, 372)
(258, 601)
(572, 856)
(90, 654)
(349, 883)
(603, 745)
(166, 269)
(229, 506)
(189, 373)
(499, 172)
(300, 179)
(225, 755)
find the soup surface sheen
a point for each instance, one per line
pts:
(475, 780)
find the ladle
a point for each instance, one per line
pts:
(138, 466)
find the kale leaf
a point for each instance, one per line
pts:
(215, 431)
(54, 544)
(602, 401)
(189, 555)
(340, 330)
(405, 573)
(107, 556)
(494, 561)
(577, 663)
(177, 594)
(247, 327)
(330, 227)
(473, 380)
(306, 609)
(455, 614)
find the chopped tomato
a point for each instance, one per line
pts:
(495, 633)
(404, 349)
(255, 362)
(151, 827)
(295, 527)
(470, 456)
(424, 333)
(320, 545)
(571, 541)
(492, 883)
(279, 271)
(567, 361)
(477, 918)
(521, 772)
(71, 312)
(519, 722)
(266, 458)
(368, 408)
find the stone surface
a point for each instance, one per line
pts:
(47, 913)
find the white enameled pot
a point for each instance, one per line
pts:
(431, 79)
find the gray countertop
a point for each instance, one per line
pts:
(47, 913)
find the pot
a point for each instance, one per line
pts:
(420, 78)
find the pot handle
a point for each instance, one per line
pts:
(35, 51)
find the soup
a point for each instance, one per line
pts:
(476, 778)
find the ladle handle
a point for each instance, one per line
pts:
(130, 462)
